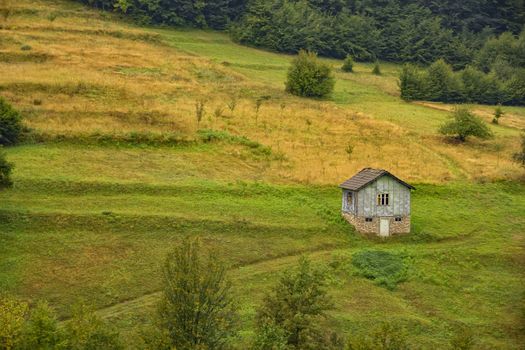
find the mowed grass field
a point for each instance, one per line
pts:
(117, 173)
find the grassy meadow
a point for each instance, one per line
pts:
(118, 168)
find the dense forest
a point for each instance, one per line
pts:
(481, 43)
(419, 31)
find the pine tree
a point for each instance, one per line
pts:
(442, 84)
(411, 84)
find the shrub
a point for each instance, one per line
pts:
(26, 48)
(348, 64)
(294, 307)
(498, 113)
(86, 331)
(200, 110)
(386, 336)
(270, 337)
(308, 77)
(377, 69)
(464, 124)
(12, 318)
(41, 330)
(5, 172)
(519, 157)
(10, 124)
(384, 268)
(197, 307)
(463, 339)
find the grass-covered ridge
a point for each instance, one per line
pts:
(117, 169)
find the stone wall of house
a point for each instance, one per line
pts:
(400, 227)
(372, 227)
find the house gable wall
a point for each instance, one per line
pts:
(399, 199)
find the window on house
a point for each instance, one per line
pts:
(383, 199)
(398, 218)
(349, 199)
(368, 219)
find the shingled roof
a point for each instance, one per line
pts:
(366, 176)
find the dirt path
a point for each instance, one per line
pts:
(242, 272)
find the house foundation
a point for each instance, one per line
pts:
(372, 226)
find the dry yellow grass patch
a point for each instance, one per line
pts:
(86, 74)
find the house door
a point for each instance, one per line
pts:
(384, 227)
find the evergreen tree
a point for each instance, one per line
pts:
(309, 77)
(294, 308)
(442, 84)
(411, 84)
(197, 307)
(480, 87)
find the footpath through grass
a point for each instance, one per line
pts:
(104, 241)
(94, 220)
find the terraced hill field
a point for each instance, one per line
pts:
(118, 168)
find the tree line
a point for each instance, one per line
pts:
(496, 76)
(393, 30)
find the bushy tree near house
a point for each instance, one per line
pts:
(464, 124)
(197, 308)
(309, 77)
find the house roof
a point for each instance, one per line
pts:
(366, 176)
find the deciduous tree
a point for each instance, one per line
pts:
(197, 307)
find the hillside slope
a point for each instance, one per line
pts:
(119, 168)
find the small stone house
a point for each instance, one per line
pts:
(376, 202)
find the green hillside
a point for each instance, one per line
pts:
(117, 170)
